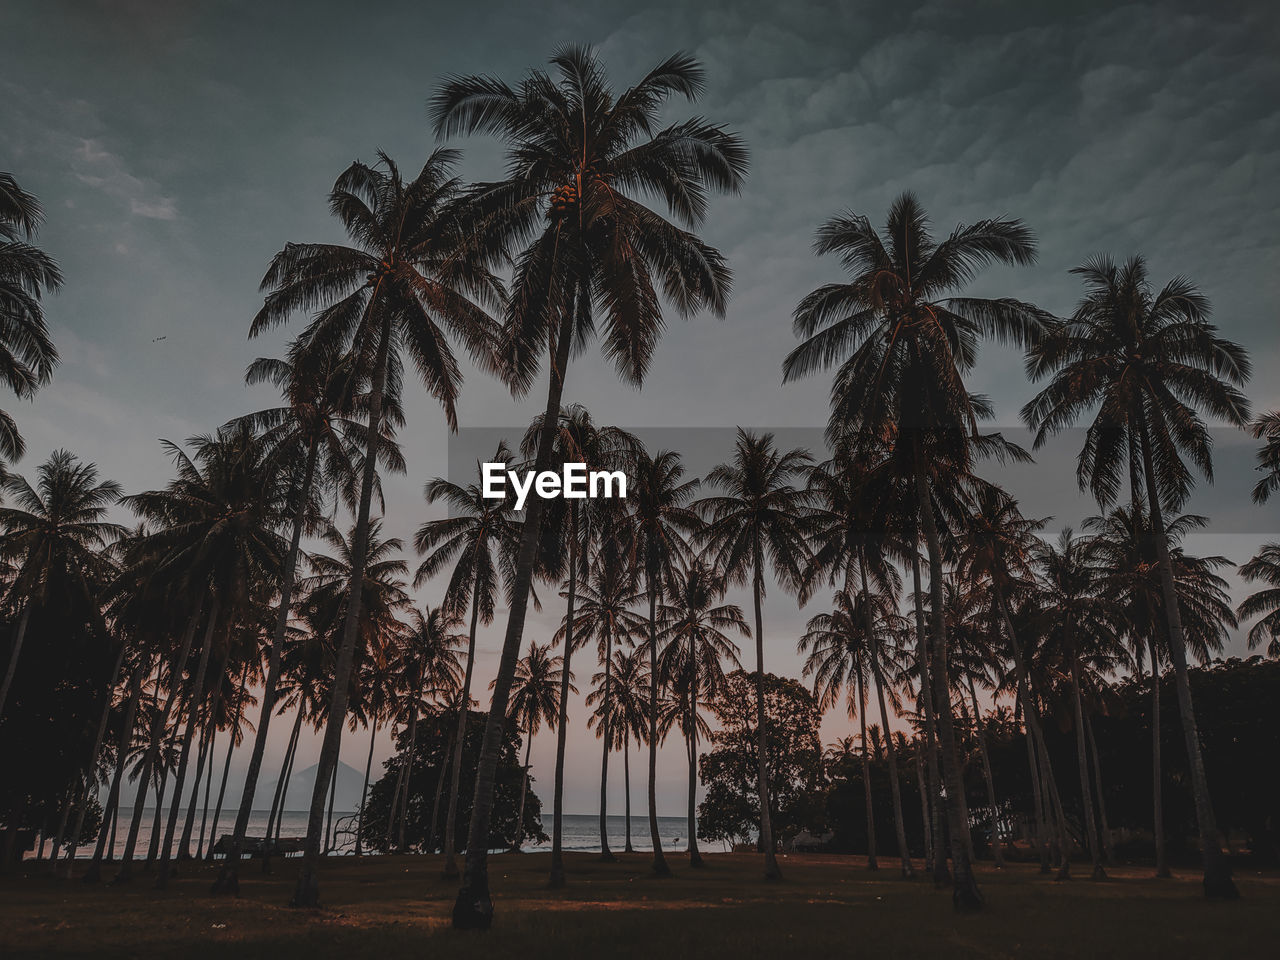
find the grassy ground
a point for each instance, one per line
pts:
(381, 906)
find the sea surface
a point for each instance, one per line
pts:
(581, 831)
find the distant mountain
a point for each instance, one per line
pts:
(298, 796)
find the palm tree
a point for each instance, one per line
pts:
(627, 715)
(1127, 555)
(312, 426)
(577, 440)
(403, 284)
(696, 644)
(1143, 364)
(535, 700)
(56, 529)
(660, 522)
(578, 155)
(1081, 629)
(759, 517)
(1265, 603)
(842, 647)
(27, 355)
(216, 526)
(604, 612)
(479, 539)
(903, 347)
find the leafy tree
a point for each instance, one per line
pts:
(730, 809)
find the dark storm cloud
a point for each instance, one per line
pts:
(177, 145)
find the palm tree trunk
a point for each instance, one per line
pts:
(408, 773)
(771, 869)
(282, 788)
(908, 871)
(94, 871)
(923, 789)
(328, 825)
(874, 657)
(659, 861)
(872, 863)
(937, 854)
(364, 789)
(1157, 777)
(228, 880)
(965, 895)
(1108, 850)
(1053, 802)
(193, 714)
(524, 790)
(157, 822)
(1082, 762)
(153, 749)
(434, 839)
(473, 908)
(1037, 793)
(226, 765)
(307, 892)
(394, 810)
(691, 744)
(606, 737)
(562, 726)
(626, 785)
(208, 786)
(204, 740)
(19, 635)
(1218, 883)
(997, 845)
(90, 779)
(455, 780)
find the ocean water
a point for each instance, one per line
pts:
(581, 831)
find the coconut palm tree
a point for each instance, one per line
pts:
(313, 431)
(535, 700)
(479, 539)
(1144, 364)
(216, 525)
(568, 214)
(27, 273)
(1081, 629)
(1127, 555)
(695, 637)
(627, 715)
(841, 647)
(55, 529)
(759, 518)
(661, 521)
(605, 614)
(574, 528)
(903, 345)
(403, 284)
(1265, 603)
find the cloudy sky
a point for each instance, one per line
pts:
(177, 145)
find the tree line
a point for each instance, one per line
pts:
(151, 640)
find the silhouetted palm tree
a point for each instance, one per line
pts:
(578, 156)
(1142, 364)
(1265, 603)
(660, 522)
(628, 715)
(759, 518)
(479, 538)
(56, 529)
(535, 700)
(405, 284)
(696, 644)
(27, 355)
(903, 347)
